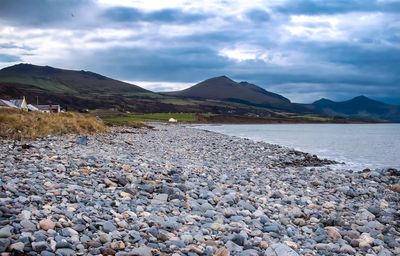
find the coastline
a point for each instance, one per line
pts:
(348, 144)
(182, 190)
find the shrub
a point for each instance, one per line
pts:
(17, 124)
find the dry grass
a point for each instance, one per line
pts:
(17, 124)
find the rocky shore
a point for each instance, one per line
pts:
(182, 191)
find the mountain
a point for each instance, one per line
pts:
(64, 81)
(84, 89)
(224, 88)
(76, 89)
(358, 107)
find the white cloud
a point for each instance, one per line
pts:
(277, 57)
(353, 27)
(234, 6)
(161, 86)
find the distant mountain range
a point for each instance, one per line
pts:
(219, 95)
(359, 107)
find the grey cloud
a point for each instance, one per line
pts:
(9, 58)
(258, 15)
(38, 13)
(128, 14)
(8, 46)
(84, 14)
(15, 46)
(381, 61)
(312, 7)
(171, 64)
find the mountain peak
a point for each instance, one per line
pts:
(222, 78)
(26, 69)
(225, 89)
(361, 97)
(19, 66)
(245, 83)
(323, 101)
(365, 100)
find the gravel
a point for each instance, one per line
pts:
(176, 190)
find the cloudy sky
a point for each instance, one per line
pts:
(302, 49)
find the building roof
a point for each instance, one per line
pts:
(32, 107)
(17, 102)
(7, 103)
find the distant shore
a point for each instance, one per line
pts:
(119, 118)
(175, 189)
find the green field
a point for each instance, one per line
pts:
(312, 118)
(128, 119)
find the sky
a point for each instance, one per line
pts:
(302, 49)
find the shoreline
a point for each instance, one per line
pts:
(346, 159)
(182, 190)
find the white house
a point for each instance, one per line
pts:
(49, 108)
(6, 104)
(22, 104)
(14, 103)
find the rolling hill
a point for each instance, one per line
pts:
(75, 89)
(65, 81)
(358, 107)
(225, 89)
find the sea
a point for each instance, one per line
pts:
(359, 146)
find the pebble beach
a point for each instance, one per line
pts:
(176, 190)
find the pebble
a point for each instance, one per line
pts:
(47, 224)
(40, 246)
(141, 251)
(280, 250)
(222, 252)
(119, 245)
(104, 238)
(333, 233)
(5, 232)
(239, 239)
(187, 238)
(396, 188)
(19, 246)
(175, 190)
(65, 252)
(365, 240)
(4, 243)
(28, 225)
(108, 227)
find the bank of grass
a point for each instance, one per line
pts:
(17, 124)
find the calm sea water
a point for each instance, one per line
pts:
(358, 145)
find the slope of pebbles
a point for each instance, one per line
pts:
(182, 191)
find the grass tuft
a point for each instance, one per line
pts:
(17, 124)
